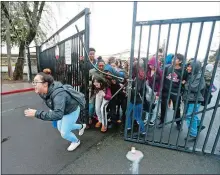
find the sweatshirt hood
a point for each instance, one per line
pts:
(153, 62)
(55, 85)
(209, 67)
(169, 58)
(196, 65)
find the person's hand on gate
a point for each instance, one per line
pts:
(30, 113)
(121, 85)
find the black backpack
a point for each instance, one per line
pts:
(78, 96)
(205, 92)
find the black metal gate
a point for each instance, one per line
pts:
(166, 135)
(63, 70)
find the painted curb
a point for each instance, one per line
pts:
(17, 91)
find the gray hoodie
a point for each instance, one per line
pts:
(60, 104)
(193, 86)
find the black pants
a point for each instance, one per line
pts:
(164, 106)
(123, 107)
(112, 110)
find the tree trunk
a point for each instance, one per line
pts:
(19, 66)
(8, 43)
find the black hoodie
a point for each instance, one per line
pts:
(193, 85)
(60, 104)
(175, 81)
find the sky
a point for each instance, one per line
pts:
(111, 24)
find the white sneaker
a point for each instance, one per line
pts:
(73, 146)
(81, 131)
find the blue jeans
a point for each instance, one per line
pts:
(91, 109)
(195, 120)
(67, 124)
(137, 116)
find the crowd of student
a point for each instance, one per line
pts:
(108, 94)
(184, 77)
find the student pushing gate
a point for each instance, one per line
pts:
(189, 125)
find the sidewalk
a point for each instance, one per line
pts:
(11, 87)
(109, 157)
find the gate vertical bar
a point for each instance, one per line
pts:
(131, 62)
(179, 88)
(139, 51)
(216, 104)
(29, 64)
(186, 53)
(87, 30)
(171, 84)
(211, 122)
(216, 141)
(193, 70)
(205, 107)
(152, 113)
(162, 81)
(38, 50)
(145, 72)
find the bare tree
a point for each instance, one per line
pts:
(8, 42)
(28, 21)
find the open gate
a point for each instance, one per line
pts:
(166, 135)
(62, 57)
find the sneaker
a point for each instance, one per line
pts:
(98, 124)
(118, 121)
(103, 129)
(151, 123)
(191, 138)
(110, 126)
(73, 146)
(203, 127)
(160, 125)
(178, 127)
(81, 131)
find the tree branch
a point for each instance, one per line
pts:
(6, 13)
(36, 3)
(26, 11)
(40, 11)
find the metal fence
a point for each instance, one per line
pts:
(31, 67)
(68, 71)
(166, 135)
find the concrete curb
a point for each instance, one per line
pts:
(17, 91)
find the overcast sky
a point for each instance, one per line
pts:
(111, 24)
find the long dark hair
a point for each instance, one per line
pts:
(103, 85)
(118, 61)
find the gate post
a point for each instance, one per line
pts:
(87, 30)
(131, 62)
(38, 50)
(28, 62)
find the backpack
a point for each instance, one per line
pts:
(205, 93)
(149, 95)
(78, 96)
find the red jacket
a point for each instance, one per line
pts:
(158, 77)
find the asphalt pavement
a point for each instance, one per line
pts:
(109, 157)
(33, 146)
